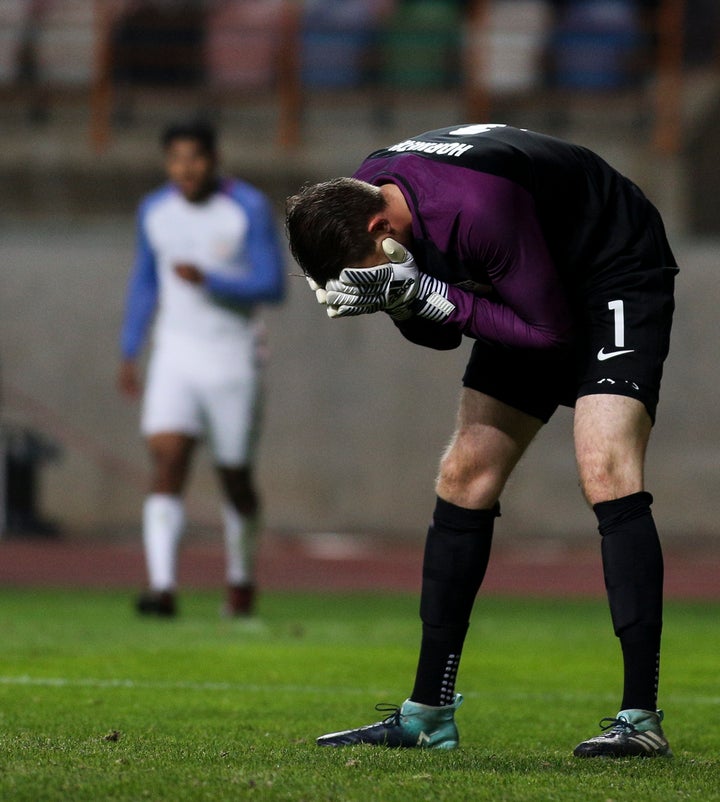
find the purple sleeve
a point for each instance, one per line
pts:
(483, 318)
(528, 307)
(489, 224)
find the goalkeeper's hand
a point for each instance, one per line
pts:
(363, 290)
(319, 291)
(397, 288)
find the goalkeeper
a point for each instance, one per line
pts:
(559, 269)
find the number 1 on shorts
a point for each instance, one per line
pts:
(617, 307)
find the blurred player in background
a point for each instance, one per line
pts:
(207, 254)
(558, 267)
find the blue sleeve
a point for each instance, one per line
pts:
(265, 280)
(142, 295)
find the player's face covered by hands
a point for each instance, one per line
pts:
(388, 287)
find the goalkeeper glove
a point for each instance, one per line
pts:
(397, 288)
(319, 292)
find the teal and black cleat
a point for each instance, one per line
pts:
(411, 726)
(632, 733)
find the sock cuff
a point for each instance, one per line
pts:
(164, 498)
(164, 501)
(621, 510)
(449, 516)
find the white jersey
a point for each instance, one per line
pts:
(231, 238)
(211, 237)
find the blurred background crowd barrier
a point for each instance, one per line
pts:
(112, 52)
(302, 91)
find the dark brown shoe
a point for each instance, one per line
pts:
(240, 600)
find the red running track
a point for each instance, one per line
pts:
(338, 563)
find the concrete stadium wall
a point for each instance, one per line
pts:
(356, 417)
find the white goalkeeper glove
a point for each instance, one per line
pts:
(397, 288)
(320, 293)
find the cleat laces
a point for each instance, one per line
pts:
(617, 726)
(392, 718)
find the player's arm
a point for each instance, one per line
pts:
(140, 304)
(264, 282)
(487, 318)
(128, 378)
(528, 307)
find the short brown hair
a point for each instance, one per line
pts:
(326, 224)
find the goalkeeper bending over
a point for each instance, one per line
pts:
(559, 269)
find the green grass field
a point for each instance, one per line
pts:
(97, 704)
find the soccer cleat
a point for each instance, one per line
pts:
(632, 733)
(410, 726)
(160, 603)
(240, 601)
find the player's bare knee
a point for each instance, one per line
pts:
(168, 472)
(608, 479)
(167, 482)
(466, 485)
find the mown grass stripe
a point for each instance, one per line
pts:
(243, 687)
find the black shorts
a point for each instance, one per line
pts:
(624, 316)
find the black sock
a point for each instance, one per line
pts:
(633, 568)
(457, 551)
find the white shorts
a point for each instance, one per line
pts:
(205, 392)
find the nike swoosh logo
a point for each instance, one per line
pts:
(602, 356)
